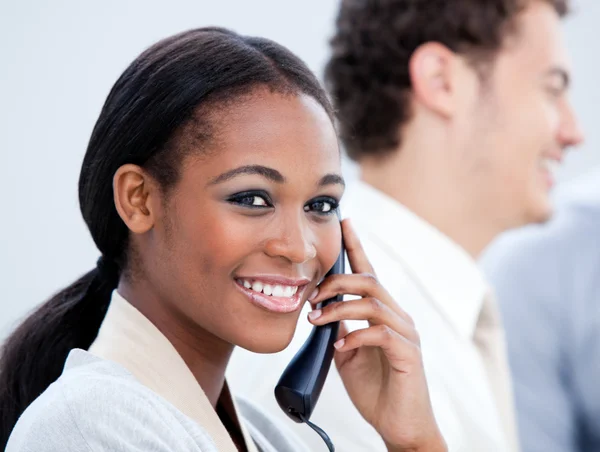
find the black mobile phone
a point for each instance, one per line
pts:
(301, 383)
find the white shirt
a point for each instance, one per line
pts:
(134, 392)
(442, 289)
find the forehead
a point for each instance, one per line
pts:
(538, 41)
(290, 133)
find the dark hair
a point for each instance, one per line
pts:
(368, 73)
(174, 84)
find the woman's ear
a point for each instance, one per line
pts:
(134, 191)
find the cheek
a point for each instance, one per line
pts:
(524, 131)
(328, 245)
(213, 242)
(535, 121)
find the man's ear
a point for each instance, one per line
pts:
(433, 72)
(134, 190)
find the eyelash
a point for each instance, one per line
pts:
(239, 198)
(250, 196)
(334, 204)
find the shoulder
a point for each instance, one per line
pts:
(97, 405)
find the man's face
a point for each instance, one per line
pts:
(520, 122)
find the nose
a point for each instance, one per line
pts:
(570, 133)
(293, 241)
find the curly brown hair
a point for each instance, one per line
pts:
(368, 72)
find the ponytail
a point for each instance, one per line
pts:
(34, 355)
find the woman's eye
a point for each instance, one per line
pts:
(322, 206)
(250, 200)
(255, 201)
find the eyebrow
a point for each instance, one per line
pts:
(272, 175)
(264, 171)
(562, 73)
(332, 179)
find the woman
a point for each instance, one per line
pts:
(210, 186)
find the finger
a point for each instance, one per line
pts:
(399, 351)
(369, 309)
(363, 285)
(359, 262)
(343, 331)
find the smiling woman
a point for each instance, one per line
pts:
(210, 186)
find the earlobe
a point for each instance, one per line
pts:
(133, 189)
(431, 67)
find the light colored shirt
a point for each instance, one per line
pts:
(134, 392)
(547, 279)
(441, 287)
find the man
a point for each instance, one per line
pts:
(456, 111)
(548, 283)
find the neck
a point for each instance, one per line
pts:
(205, 354)
(436, 189)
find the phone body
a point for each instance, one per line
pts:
(300, 385)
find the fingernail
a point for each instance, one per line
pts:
(312, 315)
(339, 344)
(314, 294)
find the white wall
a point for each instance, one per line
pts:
(58, 61)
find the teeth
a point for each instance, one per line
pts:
(268, 289)
(275, 290)
(257, 286)
(551, 165)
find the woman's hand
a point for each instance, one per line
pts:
(381, 365)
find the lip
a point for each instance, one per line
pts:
(278, 279)
(278, 305)
(548, 180)
(547, 175)
(556, 157)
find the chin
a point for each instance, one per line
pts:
(264, 341)
(540, 212)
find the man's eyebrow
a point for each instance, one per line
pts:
(264, 171)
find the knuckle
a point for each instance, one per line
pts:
(413, 353)
(385, 331)
(375, 305)
(336, 307)
(371, 279)
(334, 281)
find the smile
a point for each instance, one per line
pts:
(273, 296)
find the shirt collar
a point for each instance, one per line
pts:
(443, 270)
(128, 338)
